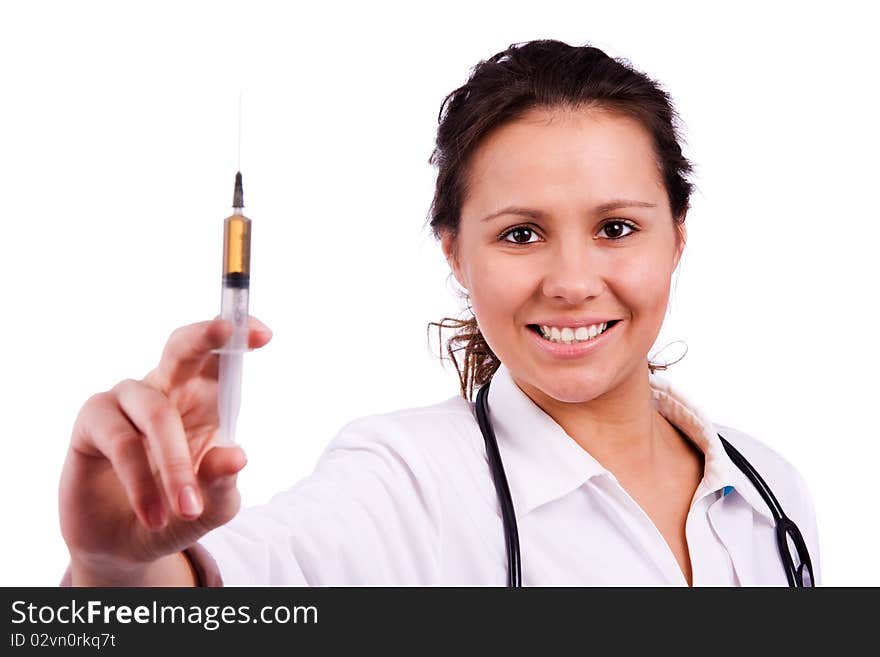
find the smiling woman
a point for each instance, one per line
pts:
(573, 263)
(582, 153)
(560, 206)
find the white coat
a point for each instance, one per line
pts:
(407, 498)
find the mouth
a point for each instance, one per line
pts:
(570, 337)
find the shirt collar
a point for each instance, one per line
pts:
(543, 462)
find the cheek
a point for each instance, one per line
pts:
(498, 292)
(643, 287)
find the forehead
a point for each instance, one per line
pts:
(594, 153)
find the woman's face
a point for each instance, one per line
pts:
(561, 259)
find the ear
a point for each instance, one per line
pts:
(682, 231)
(447, 241)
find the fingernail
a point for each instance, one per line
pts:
(189, 502)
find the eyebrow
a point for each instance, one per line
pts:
(615, 204)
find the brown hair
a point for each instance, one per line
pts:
(544, 74)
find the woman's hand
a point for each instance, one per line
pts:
(141, 480)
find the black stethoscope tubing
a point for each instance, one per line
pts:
(785, 527)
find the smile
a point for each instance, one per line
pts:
(567, 345)
(567, 335)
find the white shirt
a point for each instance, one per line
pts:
(407, 498)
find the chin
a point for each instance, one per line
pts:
(574, 387)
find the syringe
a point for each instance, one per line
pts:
(234, 308)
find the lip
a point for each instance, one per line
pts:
(575, 349)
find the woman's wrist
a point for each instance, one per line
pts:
(172, 570)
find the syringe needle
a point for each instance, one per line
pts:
(238, 194)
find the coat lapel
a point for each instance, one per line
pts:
(749, 538)
(734, 521)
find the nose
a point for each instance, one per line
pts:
(573, 273)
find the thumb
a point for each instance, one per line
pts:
(217, 477)
(221, 500)
(221, 461)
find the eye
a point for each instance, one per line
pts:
(615, 228)
(521, 235)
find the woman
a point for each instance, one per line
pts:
(560, 206)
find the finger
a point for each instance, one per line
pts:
(254, 325)
(258, 333)
(157, 419)
(104, 427)
(256, 338)
(186, 351)
(189, 347)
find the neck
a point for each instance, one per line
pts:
(620, 428)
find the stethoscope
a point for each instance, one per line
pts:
(785, 527)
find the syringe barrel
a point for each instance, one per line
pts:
(237, 251)
(235, 295)
(236, 278)
(234, 308)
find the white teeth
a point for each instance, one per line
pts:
(567, 335)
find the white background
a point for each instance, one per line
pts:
(118, 147)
